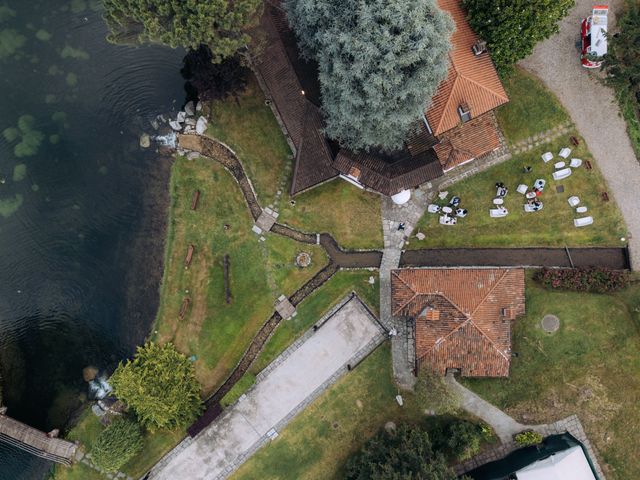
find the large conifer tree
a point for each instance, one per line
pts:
(380, 62)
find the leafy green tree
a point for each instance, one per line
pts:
(214, 81)
(160, 385)
(622, 61)
(405, 454)
(512, 28)
(219, 24)
(380, 62)
(464, 439)
(117, 444)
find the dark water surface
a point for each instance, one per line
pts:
(82, 207)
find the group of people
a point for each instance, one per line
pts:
(451, 212)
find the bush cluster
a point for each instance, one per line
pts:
(117, 444)
(529, 438)
(599, 280)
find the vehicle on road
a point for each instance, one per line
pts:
(593, 34)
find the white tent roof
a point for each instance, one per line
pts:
(570, 464)
(402, 197)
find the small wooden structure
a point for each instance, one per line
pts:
(183, 309)
(189, 257)
(37, 443)
(285, 308)
(194, 199)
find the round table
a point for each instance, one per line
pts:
(498, 201)
(559, 165)
(447, 209)
(530, 195)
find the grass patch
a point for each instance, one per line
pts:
(552, 226)
(629, 109)
(250, 129)
(319, 440)
(351, 215)
(248, 126)
(316, 444)
(590, 367)
(316, 305)
(532, 109)
(244, 384)
(156, 445)
(215, 332)
(282, 254)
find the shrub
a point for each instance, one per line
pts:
(526, 439)
(599, 280)
(404, 454)
(464, 439)
(160, 385)
(117, 444)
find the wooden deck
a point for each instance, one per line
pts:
(36, 442)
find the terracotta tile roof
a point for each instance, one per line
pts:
(472, 79)
(471, 331)
(301, 118)
(467, 141)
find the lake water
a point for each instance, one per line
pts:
(82, 206)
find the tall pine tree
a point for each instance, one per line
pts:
(380, 62)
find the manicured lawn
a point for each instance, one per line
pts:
(551, 226)
(590, 367)
(215, 332)
(532, 109)
(250, 129)
(316, 444)
(351, 215)
(316, 305)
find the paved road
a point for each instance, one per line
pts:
(291, 381)
(594, 110)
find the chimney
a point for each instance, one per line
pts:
(479, 47)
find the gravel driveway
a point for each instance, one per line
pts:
(595, 112)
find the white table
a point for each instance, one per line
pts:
(559, 165)
(447, 209)
(498, 201)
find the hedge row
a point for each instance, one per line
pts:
(599, 280)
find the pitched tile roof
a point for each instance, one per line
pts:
(471, 79)
(467, 141)
(301, 117)
(469, 331)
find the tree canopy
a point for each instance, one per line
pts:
(512, 28)
(380, 63)
(403, 454)
(160, 385)
(214, 81)
(622, 61)
(117, 444)
(219, 24)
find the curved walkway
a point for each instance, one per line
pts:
(613, 258)
(594, 110)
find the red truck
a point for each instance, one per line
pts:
(593, 33)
